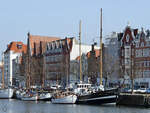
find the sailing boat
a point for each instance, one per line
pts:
(64, 97)
(5, 93)
(98, 95)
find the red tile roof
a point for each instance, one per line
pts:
(38, 43)
(14, 46)
(37, 39)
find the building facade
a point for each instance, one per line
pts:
(13, 53)
(1, 69)
(135, 56)
(112, 59)
(61, 64)
(34, 60)
(93, 59)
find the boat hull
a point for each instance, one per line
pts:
(34, 98)
(6, 93)
(70, 99)
(98, 98)
(45, 97)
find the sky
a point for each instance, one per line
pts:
(61, 18)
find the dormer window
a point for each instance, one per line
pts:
(19, 46)
(127, 38)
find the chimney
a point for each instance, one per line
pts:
(92, 47)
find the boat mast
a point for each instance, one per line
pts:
(80, 51)
(28, 72)
(3, 82)
(28, 63)
(43, 77)
(101, 48)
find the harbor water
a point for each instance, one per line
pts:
(17, 106)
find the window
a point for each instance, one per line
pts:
(127, 52)
(142, 44)
(137, 44)
(144, 52)
(19, 46)
(127, 38)
(137, 53)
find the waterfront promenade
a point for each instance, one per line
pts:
(17, 106)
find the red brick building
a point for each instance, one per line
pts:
(135, 55)
(61, 65)
(93, 58)
(36, 47)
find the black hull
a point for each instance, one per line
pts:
(98, 98)
(46, 99)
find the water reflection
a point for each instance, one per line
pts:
(16, 106)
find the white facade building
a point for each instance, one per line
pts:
(13, 52)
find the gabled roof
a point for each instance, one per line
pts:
(17, 47)
(37, 39)
(64, 43)
(38, 43)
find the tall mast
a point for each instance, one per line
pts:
(28, 63)
(28, 72)
(101, 48)
(43, 77)
(80, 51)
(3, 82)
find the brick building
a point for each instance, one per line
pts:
(34, 60)
(93, 58)
(135, 56)
(61, 64)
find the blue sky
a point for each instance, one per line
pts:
(61, 18)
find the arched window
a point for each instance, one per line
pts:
(127, 38)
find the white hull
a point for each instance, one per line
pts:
(33, 98)
(44, 96)
(70, 99)
(6, 93)
(19, 94)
